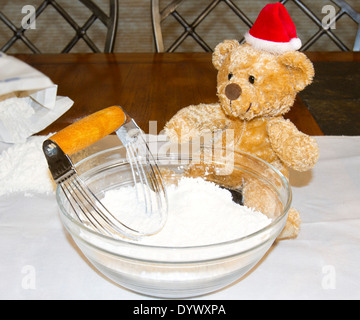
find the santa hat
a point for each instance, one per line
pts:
(273, 30)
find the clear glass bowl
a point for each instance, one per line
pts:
(177, 272)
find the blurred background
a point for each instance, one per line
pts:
(135, 33)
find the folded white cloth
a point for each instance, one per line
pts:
(28, 100)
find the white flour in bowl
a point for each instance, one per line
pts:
(199, 213)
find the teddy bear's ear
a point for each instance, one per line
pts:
(300, 67)
(222, 50)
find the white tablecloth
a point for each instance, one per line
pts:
(39, 260)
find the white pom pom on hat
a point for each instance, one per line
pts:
(273, 30)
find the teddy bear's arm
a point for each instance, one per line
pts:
(194, 121)
(296, 149)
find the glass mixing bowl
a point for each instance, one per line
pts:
(178, 272)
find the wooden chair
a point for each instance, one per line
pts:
(110, 21)
(158, 17)
(189, 28)
(344, 8)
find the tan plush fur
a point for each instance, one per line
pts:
(255, 89)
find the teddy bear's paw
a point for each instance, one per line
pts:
(296, 149)
(195, 121)
(292, 226)
(171, 134)
(301, 152)
(179, 134)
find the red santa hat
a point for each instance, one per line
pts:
(273, 30)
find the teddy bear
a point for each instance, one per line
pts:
(257, 83)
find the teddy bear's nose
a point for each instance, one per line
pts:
(233, 91)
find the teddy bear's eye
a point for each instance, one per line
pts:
(230, 75)
(252, 79)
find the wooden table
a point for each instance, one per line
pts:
(150, 86)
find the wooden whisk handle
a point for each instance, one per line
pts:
(90, 129)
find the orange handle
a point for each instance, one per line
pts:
(90, 129)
